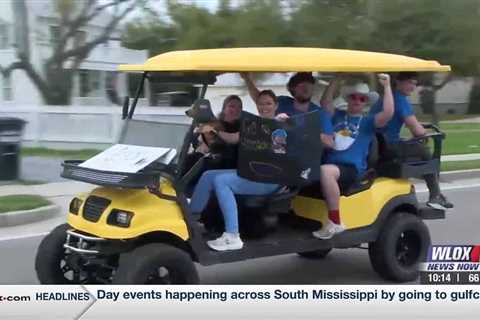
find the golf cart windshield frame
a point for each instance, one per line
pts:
(205, 79)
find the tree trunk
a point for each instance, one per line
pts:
(428, 97)
(474, 97)
(59, 87)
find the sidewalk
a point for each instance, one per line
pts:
(468, 120)
(461, 157)
(48, 190)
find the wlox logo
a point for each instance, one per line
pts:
(454, 254)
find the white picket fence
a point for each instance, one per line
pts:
(76, 127)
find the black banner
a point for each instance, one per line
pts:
(287, 153)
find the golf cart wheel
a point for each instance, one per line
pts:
(402, 244)
(316, 254)
(51, 260)
(156, 263)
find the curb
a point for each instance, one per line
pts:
(460, 157)
(15, 218)
(460, 175)
(461, 171)
(48, 190)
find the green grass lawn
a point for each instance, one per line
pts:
(460, 165)
(461, 138)
(446, 117)
(461, 143)
(22, 202)
(460, 126)
(56, 153)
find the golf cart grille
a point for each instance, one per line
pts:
(94, 207)
(139, 180)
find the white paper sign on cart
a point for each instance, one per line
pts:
(128, 158)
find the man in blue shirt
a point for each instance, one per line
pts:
(300, 87)
(405, 84)
(353, 134)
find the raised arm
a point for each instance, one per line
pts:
(382, 118)
(252, 88)
(329, 94)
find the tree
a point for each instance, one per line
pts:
(55, 79)
(441, 30)
(330, 23)
(474, 97)
(429, 29)
(250, 23)
(260, 23)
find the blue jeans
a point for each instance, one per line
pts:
(226, 183)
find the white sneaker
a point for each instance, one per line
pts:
(328, 230)
(228, 241)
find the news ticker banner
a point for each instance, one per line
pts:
(240, 302)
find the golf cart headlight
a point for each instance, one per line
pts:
(75, 205)
(120, 218)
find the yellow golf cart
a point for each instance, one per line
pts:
(136, 228)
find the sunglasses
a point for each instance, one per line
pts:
(358, 97)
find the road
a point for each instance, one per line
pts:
(41, 169)
(347, 266)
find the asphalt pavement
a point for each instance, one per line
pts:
(41, 169)
(18, 247)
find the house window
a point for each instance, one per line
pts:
(3, 36)
(95, 80)
(111, 79)
(89, 83)
(7, 88)
(83, 81)
(172, 94)
(54, 34)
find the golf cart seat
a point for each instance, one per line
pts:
(276, 202)
(259, 215)
(410, 166)
(363, 183)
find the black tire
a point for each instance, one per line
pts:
(145, 264)
(51, 256)
(316, 254)
(402, 244)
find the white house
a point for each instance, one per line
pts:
(452, 98)
(96, 78)
(231, 83)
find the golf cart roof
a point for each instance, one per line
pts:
(283, 60)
